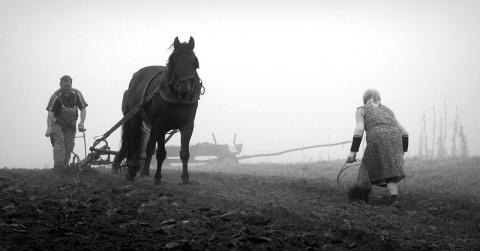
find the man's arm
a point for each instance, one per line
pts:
(49, 124)
(83, 115)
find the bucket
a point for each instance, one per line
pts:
(354, 181)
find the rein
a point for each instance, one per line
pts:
(198, 87)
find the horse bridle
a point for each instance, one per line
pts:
(197, 82)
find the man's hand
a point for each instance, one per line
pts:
(48, 132)
(351, 157)
(80, 127)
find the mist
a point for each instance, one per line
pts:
(278, 75)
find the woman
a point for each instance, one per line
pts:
(387, 141)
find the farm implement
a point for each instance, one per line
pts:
(204, 152)
(101, 154)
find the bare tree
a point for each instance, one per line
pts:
(454, 136)
(463, 140)
(433, 137)
(445, 133)
(421, 139)
(420, 145)
(427, 152)
(441, 153)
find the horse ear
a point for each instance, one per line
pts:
(176, 43)
(191, 42)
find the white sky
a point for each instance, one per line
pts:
(280, 74)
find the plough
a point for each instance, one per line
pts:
(100, 153)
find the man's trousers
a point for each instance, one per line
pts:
(64, 141)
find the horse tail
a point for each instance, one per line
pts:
(131, 130)
(130, 142)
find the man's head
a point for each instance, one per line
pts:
(66, 85)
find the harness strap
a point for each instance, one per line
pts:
(132, 112)
(143, 114)
(146, 119)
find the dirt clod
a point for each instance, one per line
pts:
(221, 212)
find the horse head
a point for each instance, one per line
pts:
(182, 70)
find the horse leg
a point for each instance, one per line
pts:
(117, 161)
(144, 157)
(150, 148)
(134, 148)
(161, 155)
(186, 134)
(133, 166)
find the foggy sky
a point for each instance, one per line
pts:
(279, 74)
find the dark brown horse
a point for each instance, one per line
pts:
(176, 89)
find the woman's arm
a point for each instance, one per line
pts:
(360, 126)
(357, 135)
(400, 127)
(404, 134)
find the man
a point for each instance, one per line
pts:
(61, 121)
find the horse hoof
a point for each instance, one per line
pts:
(157, 183)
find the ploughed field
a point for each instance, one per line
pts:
(241, 207)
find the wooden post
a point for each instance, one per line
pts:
(216, 145)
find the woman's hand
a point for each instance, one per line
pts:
(351, 157)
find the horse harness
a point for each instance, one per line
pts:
(169, 92)
(175, 85)
(160, 89)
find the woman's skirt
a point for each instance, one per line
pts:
(383, 155)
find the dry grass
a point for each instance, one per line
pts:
(311, 170)
(458, 177)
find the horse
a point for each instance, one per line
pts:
(176, 89)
